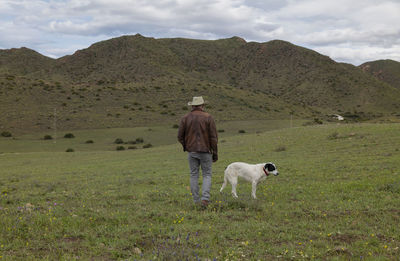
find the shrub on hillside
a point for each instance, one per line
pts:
(70, 150)
(6, 134)
(175, 126)
(280, 148)
(313, 122)
(148, 145)
(69, 136)
(89, 141)
(242, 131)
(47, 137)
(139, 140)
(317, 121)
(119, 141)
(120, 148)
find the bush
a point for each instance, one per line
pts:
(6, 134)
(118, 141)
(175, 126)
(70, 150)
(221, 130)
(120, 148)
(242, 131)
(139, 140)
(317, 121)
(69, 136)
(89, 141)
(148, 145)
(47, 137)
(280, 148)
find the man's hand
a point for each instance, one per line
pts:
(214, 157)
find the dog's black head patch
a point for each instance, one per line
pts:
(270, 166)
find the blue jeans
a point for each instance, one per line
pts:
(197, 159)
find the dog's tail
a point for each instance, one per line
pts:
(224, 184)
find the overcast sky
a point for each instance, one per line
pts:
(353, 31)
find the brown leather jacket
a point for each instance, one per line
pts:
(197, 132)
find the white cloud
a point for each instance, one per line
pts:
(348, 31)
(360, 54)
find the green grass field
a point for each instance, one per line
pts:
(336, 198)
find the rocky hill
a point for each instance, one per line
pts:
(135, 80)
(384, 70)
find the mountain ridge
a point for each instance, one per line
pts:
(126, 80)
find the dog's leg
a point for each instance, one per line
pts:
(224, 184)
(234, 183)
(253, 189)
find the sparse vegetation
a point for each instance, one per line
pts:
(318, 121)
(280, 148)
(148, 145)
(139, 140)
(47, 137)
(119, 141)
(69, 136)
(6, 134)
(120, 148)
(70, 150)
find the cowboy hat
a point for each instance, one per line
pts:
(196, 101)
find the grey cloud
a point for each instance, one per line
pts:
(210, 18)
(331, 27)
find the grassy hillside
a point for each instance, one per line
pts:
(280, 69)
(133, 80)
(23, 61)
(42, 105)
(336, 198)
(384, 70)
(104, 139)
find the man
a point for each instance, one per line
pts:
(198, 136)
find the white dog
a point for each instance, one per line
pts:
(253, 173)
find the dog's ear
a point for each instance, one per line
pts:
(270, 166)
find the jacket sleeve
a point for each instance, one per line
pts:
(213, 137)
(181, 133)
